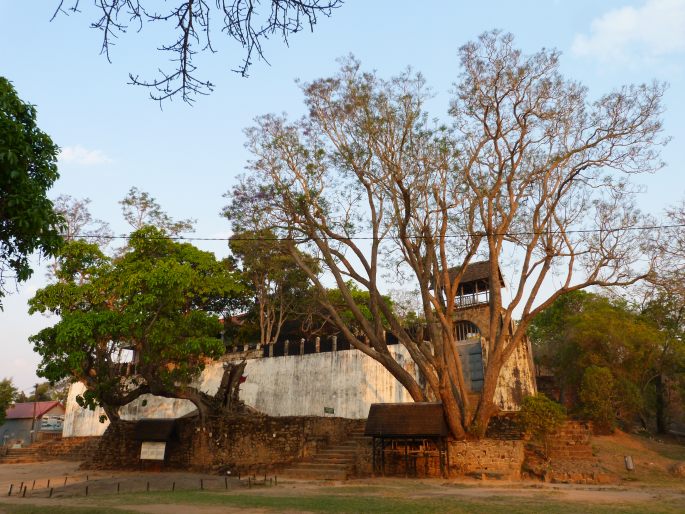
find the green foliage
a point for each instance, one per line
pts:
(279, 286)
(8, 394)
(541, 416)
(160, 298)
(596, 395)
(28, 168)
(362, 300)
(582, 332)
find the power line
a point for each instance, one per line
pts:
(371, 238)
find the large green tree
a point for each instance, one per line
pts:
(279, 285)
(160, 300)
(530, 166)
(583, 336)
(8, 393)
(28, 168)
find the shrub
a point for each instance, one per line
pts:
(596, 396)
(541, 417)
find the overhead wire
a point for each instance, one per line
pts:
(371, 238)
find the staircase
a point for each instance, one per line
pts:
(70, 448)
(335, 462)
(20, 455)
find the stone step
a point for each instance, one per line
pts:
(333, 460)
(336, 455)
(348, 444)
(322, 465)
(341, 448)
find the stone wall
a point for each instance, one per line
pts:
(486, 458)
(571, 442)
(236, 443)
(71, 449)
(346, 381)
(483, 458)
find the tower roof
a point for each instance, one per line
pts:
(475, 271)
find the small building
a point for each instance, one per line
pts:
(31, 421)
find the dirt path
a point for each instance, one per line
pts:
(107, 483)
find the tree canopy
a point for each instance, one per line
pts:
(28, 169)
(8, 394)
(610, 358)
(529, 167)
(280, 287)
(159, 301)
(247, 22)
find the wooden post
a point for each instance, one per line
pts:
(285, 347)
(302, 346)
(271, 349)
(334, 341)
(317, 344)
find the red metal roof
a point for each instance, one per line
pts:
(25, 410)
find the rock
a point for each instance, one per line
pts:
(678, 469)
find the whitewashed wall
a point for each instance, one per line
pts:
(348, 381)
(302, 385)
(85, 422)
(516, 379)
(297, 385)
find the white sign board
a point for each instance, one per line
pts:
(152, 451)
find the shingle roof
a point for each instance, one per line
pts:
(406, 420)
(25, 410)
(475, 271)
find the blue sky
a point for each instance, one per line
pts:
(113, 137)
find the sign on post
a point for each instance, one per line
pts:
(328, 410)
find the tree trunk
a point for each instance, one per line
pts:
(451, 410)
(486, 406)
(661, 421)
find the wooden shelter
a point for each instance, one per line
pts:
(407, 434)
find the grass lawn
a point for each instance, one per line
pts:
(377, 499)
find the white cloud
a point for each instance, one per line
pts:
(79, 155)
(636, 34)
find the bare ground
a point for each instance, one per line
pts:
(651, 484)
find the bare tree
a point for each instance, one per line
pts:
(529, 167)
(140, 209)
(79, 222)
(194, 26)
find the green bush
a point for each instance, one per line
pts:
(596, 396)
(541, 416)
